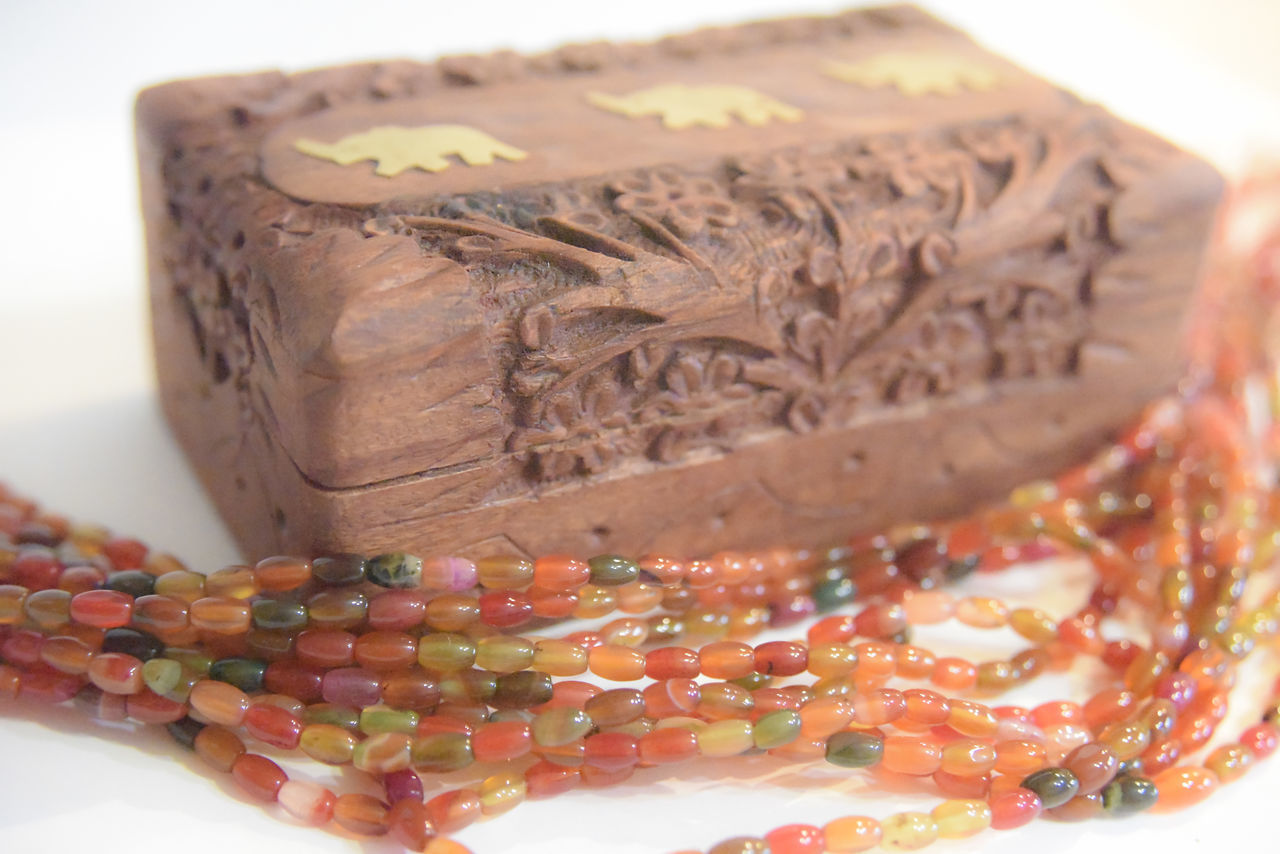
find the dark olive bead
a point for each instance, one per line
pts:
(1055, 786)
(855, 749)
(244, 673)
(1126, 795)
(753, 681)
(338, 570)
(831, 594)
(1130, 767)
(135, 582)
(468, 686)
(185, 731)
(521, 690)
(961, 568)
(395, 569)
(612, 570)
(141, 645)
(278, 614)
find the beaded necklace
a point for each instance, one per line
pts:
(404, 668)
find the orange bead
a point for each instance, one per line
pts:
(876, 658)
(906, 754)
(279, 574)
(915, 662)
(386, 651)
(362, 814)
(665, 746)
(220, 615)
(560, 572)
(258, 776)
(67, 655)
(954, 674)
(972, 719)
(968, 757)
(219, 703)
(454, 810)
(116, 673)
(1183, 787)
(616, 663)
(727, 660)
(218, 747)
(1019, 757)
(825, 716)
(232, 582)
(851, 834)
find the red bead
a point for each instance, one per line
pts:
(672, 662)
(49, 687)
(149, 708)
(105, 609)
(545, 779)
(453, 811)
(36, 569)
(125, 553)
(1260, 740)
(258, 776)
(796, 839)
(410, 824)
(294, 680)
(505, 609)
(611, 751)
(665, 746)
(780, 658)
(325, 648)
(116, 673)
(1014, 809)
(502, 741)
(273, 725)
(23, 647)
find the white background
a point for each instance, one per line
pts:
(79, 427)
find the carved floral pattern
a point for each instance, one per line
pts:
(684, 205)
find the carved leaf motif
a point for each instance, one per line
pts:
(722, 371)
(934, 254)
(536, 327)
(684, 377)
(823, 268)
(813, 336)
(646, 360)
(805, 412)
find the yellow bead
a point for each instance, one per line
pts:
(957, 819)
(501, 792)
(559, 658)
(908, 831)
(726, 738)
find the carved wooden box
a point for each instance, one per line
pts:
(769, 284)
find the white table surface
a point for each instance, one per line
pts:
(80, 430)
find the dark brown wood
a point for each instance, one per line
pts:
(883, 275)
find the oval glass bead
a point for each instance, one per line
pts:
(220, 615)
(851, 834)
(134, 582)
(665, 746)
(278, 614)
(397, 610)
(382, 753)
(961, 818)
(327, 648)
(218, 747)
(1128, 794)
(1094, 765)
(612, 570)
(560, 572)
(160, 614)
(380, 719)
(503, 654)
(48, 609)
(273, 725)
(258, 776)
(560, 726)
(908, 831)
(351, 686)
(384, 651)
(232, 582)
(219, 703)
(361, 814)
(103, 609)
(394, 569)
(1054, 786)
(337, 608)
(448, 573)
(245, 673)
(280, 574)
(67, 655)
(181, 584)
(502, 741)
(501, 792)
(116, 673)
(1182, 787)
(726, 738)
(327, 743)
(776, 729)
(442, 752)
(309, 803)
(340, 570)
(616, 663)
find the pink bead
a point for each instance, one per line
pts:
(307, 802)
(397, 610)
(351, 686)
(1260, 740)
(1178, 687)
(402, 784)
(454, 574)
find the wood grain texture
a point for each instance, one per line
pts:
(892, 304)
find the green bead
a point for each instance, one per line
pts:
(612, 570)
(522, 690)
(753, 681)
(185, 731)
(504, 654)
(955, 570)
(560, 726)
(332, 714)
(196, 662)
(517, 715)
(468, 686)
(776, 729)
(1126, 795)
(441, 752)
(134, 582)
(161, 675)
(446, 652)
(831, 594)
(395, 569)
(338, 570)
(380, 719)
(244, 673)
(854, 749)
(276, 614)
(1055, 786)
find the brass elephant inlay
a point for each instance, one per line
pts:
(916, 73)
(682, 106)
(396, 149)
